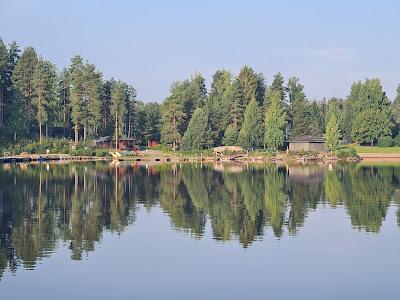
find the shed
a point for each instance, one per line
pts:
(307, 143)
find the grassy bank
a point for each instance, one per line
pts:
(53, 146)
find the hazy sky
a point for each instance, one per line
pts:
(150, 44)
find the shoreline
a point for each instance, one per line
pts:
(165, 157)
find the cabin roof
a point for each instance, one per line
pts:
(306, 139)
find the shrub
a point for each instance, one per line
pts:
(102, 153)
(346, 153)
(385, 141)
(396, 140)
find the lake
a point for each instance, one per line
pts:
(199, 231)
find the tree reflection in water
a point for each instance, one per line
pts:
(43, 205)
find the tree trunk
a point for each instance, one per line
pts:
(116, 130)
(174, 144)
(129, 127)
(1, 106)
(40, 133)
(84, 133)
(47, 132)
(76, 134)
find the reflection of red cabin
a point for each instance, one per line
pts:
(152, 144)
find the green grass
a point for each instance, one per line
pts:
(375, 149)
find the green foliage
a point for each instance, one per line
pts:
(370, 125)
(396, 141)
(251, 84)
(332, 133)
(385, 141)
(345, 153)
(152, 122)
(275, 122)
(367, 112)
(118, 105)
(198, 133)
(251, 133)
(230, 136)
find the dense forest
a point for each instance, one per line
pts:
(77, 103)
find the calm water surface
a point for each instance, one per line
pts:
(192, 231)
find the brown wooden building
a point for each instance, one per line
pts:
(307, 143)
(109, 142)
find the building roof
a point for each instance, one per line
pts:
(306, 139)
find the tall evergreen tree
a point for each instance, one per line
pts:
(91, 101)
(251, 133)
(299, 113)
(23, 84)
(132, 107)
(118, 108)
(42, 93)
(252, 85)
(276, 86)
(197, 135)
(64, 105)
(3, 71)
(152, 126)
(275, 121)
(76, 72)
(218, 104)
(174, 115)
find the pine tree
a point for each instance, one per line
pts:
(152, 126)
(174, 116)
(76, 72)
(275, 122)
(332, 133)
(118, 108)
(63, 91)
(40, 97)
(91, 104)
(22, 79)
(3, 70)
(197, 135)
(251, 133)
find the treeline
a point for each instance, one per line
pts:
(237, 110)
(36, 98)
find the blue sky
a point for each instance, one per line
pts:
(150, 44)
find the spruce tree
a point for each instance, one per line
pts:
(174, 116)
(197, 135)
(251, 133)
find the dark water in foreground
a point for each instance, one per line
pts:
(104, 231)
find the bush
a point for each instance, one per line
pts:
(385, 141)
(346, 153)
(396, 140)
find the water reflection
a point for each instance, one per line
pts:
(42, 206)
